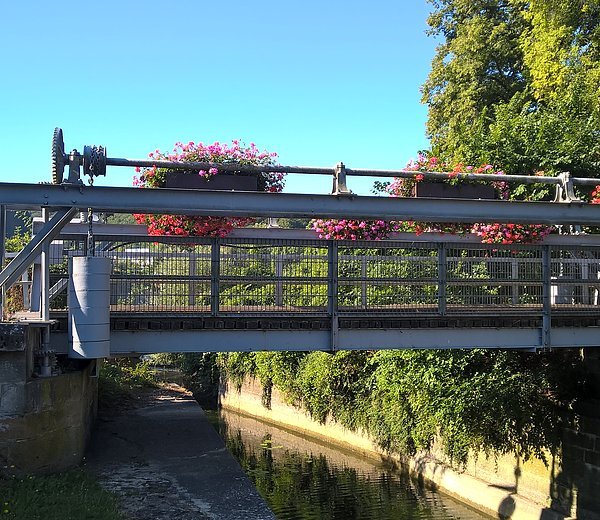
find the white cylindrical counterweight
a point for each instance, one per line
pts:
(89, 307)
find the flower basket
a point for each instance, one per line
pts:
(454, 191)
(213, 179)
(228, 182)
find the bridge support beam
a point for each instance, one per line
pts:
(136, 342)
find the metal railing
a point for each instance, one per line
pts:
(300, 277)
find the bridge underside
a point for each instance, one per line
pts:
(134, 335)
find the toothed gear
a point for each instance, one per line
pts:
(94, 160)
(59, 159)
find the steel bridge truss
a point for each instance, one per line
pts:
(251, 293)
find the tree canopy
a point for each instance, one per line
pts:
(516, 83)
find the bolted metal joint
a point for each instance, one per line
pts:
(339, 180)
(75, 161)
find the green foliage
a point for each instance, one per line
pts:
(479, 64)
(18, 241)
(120, 218)
(14, 296)
(472, 400)
(121, 378)
(73, 495)
(515, 84)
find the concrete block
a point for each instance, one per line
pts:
(13, 367)
(579, 439)
(13, 399)
(593, 458)
(588, 408)
(590, 425)
(13, 337)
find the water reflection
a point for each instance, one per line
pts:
(303, 479)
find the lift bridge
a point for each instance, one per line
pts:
(103, 290)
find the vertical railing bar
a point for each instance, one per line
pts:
(192, 283)
(215, 270)
(2, 255)
(332, 292)
(45, 272)
(514, 275)
(363, 283)
(279, 279)
(585, 273)
(25, 290)
(546, 298)
(442, 278)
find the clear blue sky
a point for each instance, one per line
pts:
(317, 82)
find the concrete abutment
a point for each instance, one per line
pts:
(45, 422)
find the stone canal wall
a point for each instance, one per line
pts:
(505, 487)
(45, 423)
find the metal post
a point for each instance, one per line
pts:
(584, 287)
(25, 289)
(514, 274)
(332, 292)
(279, 279)
(2, 255)
(339, 180)
(363, 282)
(45, 285)
(442, 279)
(546, 298)
(215, 269)
(192, 282)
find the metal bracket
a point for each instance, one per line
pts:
(565, 191)
(339, 180)
(75, 162)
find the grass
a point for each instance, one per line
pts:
(75, 494)
(72, 495)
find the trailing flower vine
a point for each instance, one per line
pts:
(495, 233)
(220, 153)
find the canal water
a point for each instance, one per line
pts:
(304, 479)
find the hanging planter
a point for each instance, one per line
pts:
(228, 182)
(454, 191)
(212, 179)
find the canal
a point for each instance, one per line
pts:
(302, 478)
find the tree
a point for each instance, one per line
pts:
(515, 84)
(477, 66)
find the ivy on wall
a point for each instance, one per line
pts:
(472, 400)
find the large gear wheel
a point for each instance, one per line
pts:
(94, 161)
(59, 159)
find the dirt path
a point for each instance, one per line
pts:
(165, 461)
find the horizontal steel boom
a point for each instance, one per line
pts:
(226, 203)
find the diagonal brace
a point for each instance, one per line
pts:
(23, 260)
